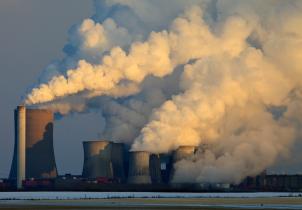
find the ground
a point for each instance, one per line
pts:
(156, 203)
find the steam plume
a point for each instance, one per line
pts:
(222, 73)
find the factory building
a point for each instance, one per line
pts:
(33, 152)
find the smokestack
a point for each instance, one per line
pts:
(139, 168)
(20, 114)
(33, 139)
(97, 159)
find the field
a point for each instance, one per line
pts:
(207, 202)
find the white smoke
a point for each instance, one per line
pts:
(222, 73)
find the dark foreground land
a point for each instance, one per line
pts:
(158, 203)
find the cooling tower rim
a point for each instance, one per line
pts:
(156, 153)
(32, 110)
(97, 141)
(186, 147)
(21, 106)
(139, 151)
(28, 108)
(118, 143)
(39, 110)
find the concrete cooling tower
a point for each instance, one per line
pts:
(118, 161)
(180, 153)
(97, 159)
(34, 129)
(183, 152)
(139, 168)
(155, 170)
(165, 167)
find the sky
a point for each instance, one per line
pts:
(33, 34)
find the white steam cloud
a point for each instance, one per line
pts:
(223, 73)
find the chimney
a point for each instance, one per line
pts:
(21, 144)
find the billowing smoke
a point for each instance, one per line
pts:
(222, 73)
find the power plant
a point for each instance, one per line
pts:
(108, 165)
(34, 159)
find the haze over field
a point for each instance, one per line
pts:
(222, 73)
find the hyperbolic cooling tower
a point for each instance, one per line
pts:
(139, 168)
(39, 153)
(97, 159)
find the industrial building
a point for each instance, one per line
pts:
(109, 165)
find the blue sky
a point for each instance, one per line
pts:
(32, 34)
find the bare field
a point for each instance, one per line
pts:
(157, 203)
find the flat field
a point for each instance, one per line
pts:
(155, 203)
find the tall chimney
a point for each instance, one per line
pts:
(21, 144)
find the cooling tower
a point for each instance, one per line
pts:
(180, 153)
(97, 159)
(165, 167)
(139, 168)
(118, 159)
(40, 160)
(155, 171)
(183, 152)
